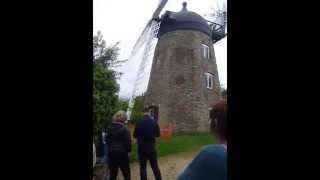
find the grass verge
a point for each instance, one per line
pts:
(177, 143)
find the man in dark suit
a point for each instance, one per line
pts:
(146, 131)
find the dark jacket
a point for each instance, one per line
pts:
(118, 138)
(146, 130)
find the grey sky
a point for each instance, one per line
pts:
(123, 20)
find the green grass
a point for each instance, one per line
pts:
(177, 143)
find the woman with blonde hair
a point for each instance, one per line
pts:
(119, 145)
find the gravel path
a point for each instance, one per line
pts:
(170, 166)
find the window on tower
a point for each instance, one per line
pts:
(209, 80)
(205, 51)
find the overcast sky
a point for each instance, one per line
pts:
(124, 20)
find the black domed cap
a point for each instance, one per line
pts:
(183, 20)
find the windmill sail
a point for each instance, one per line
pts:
(147, 38)
(161, 5)
(142, 38)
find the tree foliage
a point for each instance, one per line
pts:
(122, 104)
(106, 56)
(137, 109)
(105, 87)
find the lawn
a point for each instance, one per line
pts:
(177, 143)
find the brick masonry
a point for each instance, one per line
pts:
(177, 81)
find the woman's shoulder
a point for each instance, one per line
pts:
(209, 163)
(212, 155)
(213, 150)
(212, 147)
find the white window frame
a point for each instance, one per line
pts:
(205, 51)
(209, 78)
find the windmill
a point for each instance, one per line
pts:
(148, 39)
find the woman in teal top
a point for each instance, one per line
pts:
(211, 161)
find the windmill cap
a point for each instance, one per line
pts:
(183, 20)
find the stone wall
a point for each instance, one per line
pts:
(177, 82)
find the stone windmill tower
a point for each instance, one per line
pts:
(184, 79)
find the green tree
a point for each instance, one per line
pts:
(137, 109)
(106, 56)
(122, 104)
(105, 87)
(104, 96)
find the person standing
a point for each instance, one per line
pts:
(146, 130)
(211, 161)
(119, 145)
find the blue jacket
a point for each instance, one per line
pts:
(209, 164)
